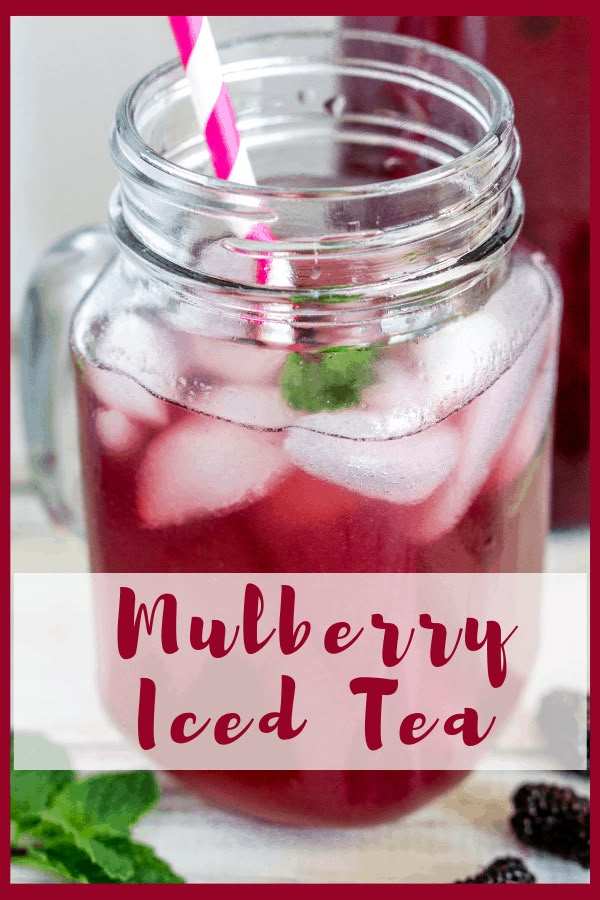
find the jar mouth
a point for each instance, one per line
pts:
(492, 109)
(316, 111)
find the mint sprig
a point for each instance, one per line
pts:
(328, 379)
(79, 829)
(111, 801)
(32, 792)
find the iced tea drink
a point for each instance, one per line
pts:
(418, 476)
(382, 404)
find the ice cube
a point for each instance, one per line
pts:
(261, 406)
(463, 358)
(200, 467)
(117, 434)
(526, 437)
(233, 362)
(402, 470)
(119, 392)
(421, 382)
(484, 426)
(362, 424)
(137, 343)
(398, 398)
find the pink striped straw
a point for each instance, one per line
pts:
(215, 112)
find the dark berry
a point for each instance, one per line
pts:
(506, 870)
(564, 720)
(555, 819)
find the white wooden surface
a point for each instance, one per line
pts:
(449, 839)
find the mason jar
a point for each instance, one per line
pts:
(370, 391)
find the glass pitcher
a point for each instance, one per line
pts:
(545, 63)
(381, 404)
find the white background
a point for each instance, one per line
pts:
(68, 74)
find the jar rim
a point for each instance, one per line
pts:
(501, 119)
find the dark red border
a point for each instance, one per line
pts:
(257, 891)
(295, 891)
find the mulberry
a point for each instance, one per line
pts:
(555, 819)
(505, 870)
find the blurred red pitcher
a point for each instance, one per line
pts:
(544, 61)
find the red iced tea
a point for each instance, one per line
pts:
(225, 478)
(292, 523)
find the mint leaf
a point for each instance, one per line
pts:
(320, 298)
(329, 379)
(110, 859)
(65, 861)
(114, 864)
(148, 868)
(32, 791)
(55, 832)
(106, 803)
(139, 864)
(79, 830)
(114, 857)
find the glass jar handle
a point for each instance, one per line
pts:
(64, 274)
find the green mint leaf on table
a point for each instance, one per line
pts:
(95, 854)
(32, 791)
(108, 802)
(78, 829)
(117, 860)
(148, 868)
(67, 862)
(328, 379)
